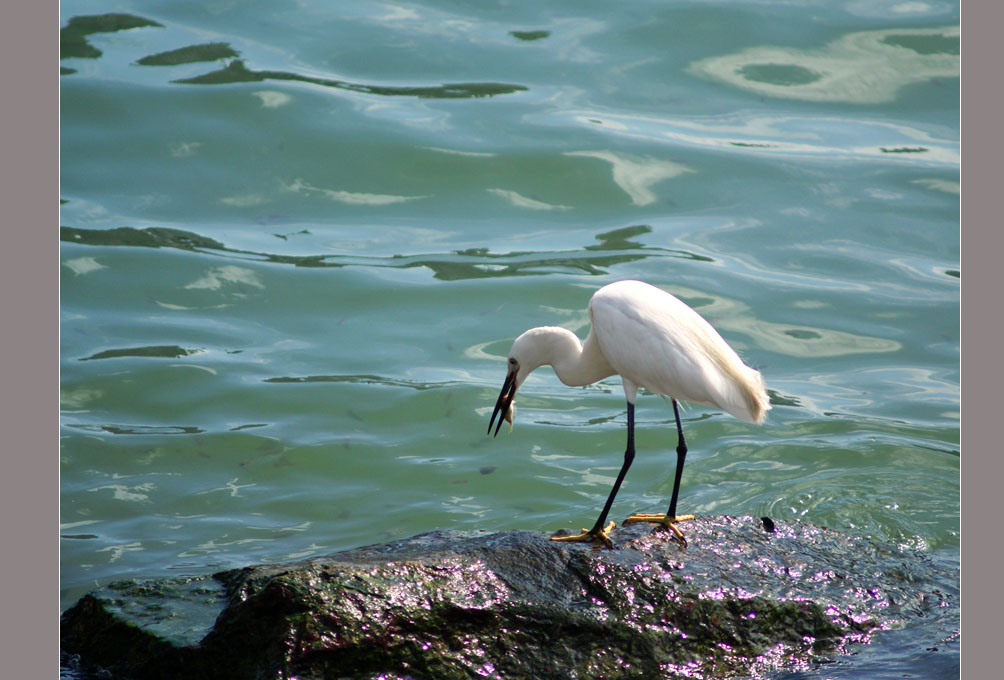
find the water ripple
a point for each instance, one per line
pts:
(473, 263)
(753, 133)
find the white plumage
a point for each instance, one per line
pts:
(652, 340)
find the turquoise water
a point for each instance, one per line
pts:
(297, 243)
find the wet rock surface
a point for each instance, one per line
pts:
(746, 598)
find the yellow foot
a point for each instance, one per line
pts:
(663, 520)
(601, 536)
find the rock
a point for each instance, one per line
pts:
(740, 600)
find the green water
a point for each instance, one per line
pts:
(298, 241)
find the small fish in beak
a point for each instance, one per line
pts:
(504, 404)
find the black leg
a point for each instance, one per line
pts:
(628, 457)
(681, 456)
(670, 519)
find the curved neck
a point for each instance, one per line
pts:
(574, 362)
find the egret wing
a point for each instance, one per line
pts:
(657, 342)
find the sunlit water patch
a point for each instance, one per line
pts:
(862, 68)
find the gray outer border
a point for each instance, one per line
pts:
(29, 286)
(982, 336)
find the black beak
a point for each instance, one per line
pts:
(504, 401)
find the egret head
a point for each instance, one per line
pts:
(527, 353)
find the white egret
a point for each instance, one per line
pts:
(652, 340)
